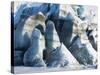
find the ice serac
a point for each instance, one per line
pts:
(66, 32)
(34, 55)
(84, 53)
(61, 57)
(23, 32)
(51, 36)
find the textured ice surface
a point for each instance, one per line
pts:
(54, 37)
(22, 34)
(18, 9)
(61, 57)
(51, 36)
(84, 53)
(34, 55)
